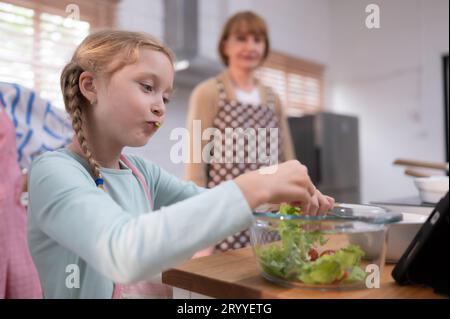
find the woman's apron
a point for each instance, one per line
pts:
(234, 114)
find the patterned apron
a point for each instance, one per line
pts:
(234, 114)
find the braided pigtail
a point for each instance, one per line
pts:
(75, 101)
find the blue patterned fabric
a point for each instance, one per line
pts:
(40, 126)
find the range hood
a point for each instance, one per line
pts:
(181, 33)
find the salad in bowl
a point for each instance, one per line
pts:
(323, 252)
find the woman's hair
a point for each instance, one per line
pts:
(102, 53)
(252, 23)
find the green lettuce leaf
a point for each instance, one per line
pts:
(324, 270)
(356, 275)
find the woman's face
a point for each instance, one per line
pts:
(134, 99)
(244, 50)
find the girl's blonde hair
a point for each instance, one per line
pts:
(253, 24)
(102, 53)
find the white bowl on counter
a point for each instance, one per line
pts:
(432, 189)
(401, 234)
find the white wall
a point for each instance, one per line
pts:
(212, 15)
(391, 78)
(148, 16)
(142, 15)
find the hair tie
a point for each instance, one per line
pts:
(99, 182)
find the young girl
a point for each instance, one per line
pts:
(100, 220)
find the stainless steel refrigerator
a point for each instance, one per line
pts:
(328, 145)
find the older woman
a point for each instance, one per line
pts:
(236, 99)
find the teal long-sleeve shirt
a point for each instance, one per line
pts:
(115, 236)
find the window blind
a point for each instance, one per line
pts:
(298, 83)
(38, 39)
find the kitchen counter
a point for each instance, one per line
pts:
(234, 274)
(412, 201)
(411, 205)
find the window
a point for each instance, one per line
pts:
(39, 37)
(299, 83)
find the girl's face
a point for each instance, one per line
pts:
(244, 50)
(133, 99)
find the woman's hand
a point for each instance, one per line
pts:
(287, 182)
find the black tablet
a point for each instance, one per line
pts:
(426, 260)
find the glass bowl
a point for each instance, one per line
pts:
(321, 252)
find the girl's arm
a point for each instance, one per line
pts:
(66, 205)
(165, 188)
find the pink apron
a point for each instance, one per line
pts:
(18, 274)
(142, 289)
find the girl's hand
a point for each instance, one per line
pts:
(286, 182)
(320, 204)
